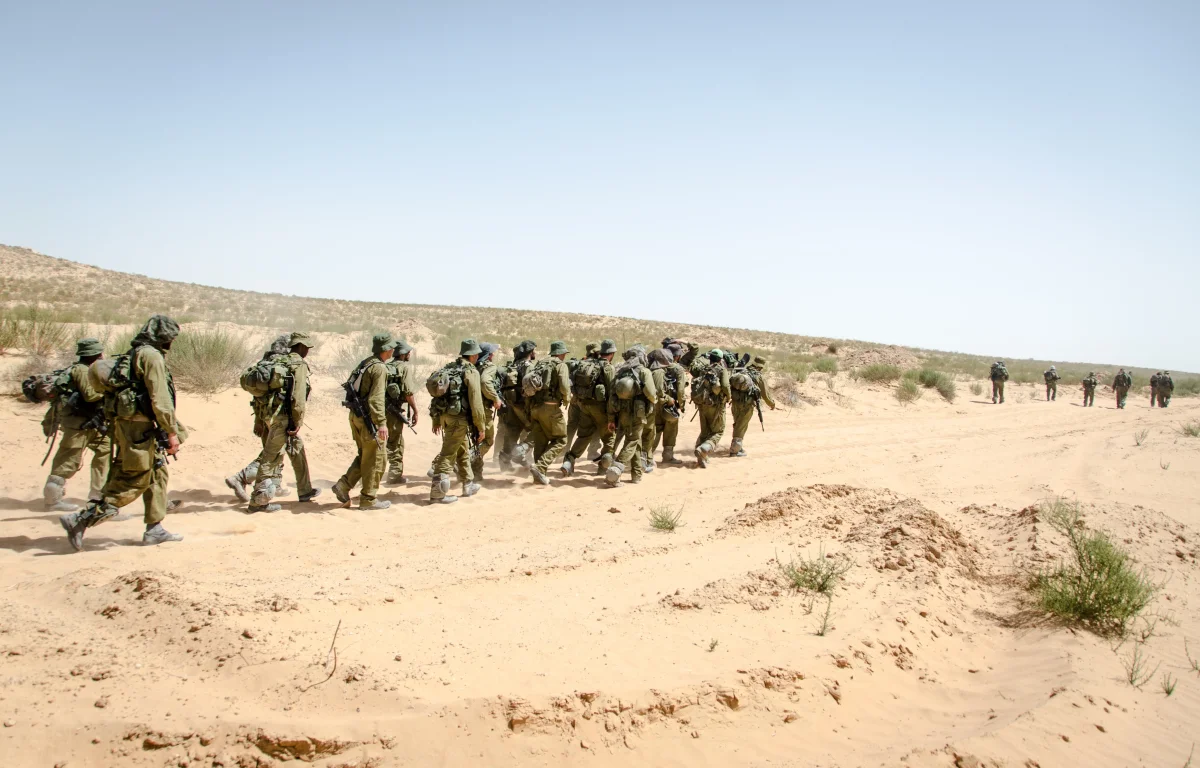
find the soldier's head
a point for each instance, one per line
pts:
(280, 345)
(659, 358)
(89, 350)
(759, 363)
(559, 349)
(402, 351)
(489, 351)
(470, 350)
(383, 345)
(524, 350)
(716, 356)
(159, 332)
(1091, 373)
(590, 349)
(1053, 368)
(608, 348)
(300, 343)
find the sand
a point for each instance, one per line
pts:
(553, 626)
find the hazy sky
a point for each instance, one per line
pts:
(1018, 179)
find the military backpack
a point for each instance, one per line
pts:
(999, 372)
(44, 387)
(448, 389)
(125, 396)
(706, 384)
(587, 381)
(266, 376)
(537, 378)
(628, 383)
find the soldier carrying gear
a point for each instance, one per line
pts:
(573, 411)
(489, 387)
(140, 401)
(998, 375)
(514, 417)
(591, 383)
(660, 362)
(401, 410)
(1154, 380)
(547, 387)
(630, 404)
(458, 415)
(710, 392)
(78, 411)
(366, 397)
(1122, 382)
(673, 403)
(1089, 388)
(1051, 376)
(748, 388)
(1166, 388)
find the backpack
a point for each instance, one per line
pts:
(741, 381)
(999, 372)
(124, 396)
(1050, 376)
(706, 385)
(537, 379)
(587, 381)
(628, 383)
(44, 387)
(446, 382)
(671, 376)
(266, 376)
(508, 382)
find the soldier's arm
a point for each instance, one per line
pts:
(766, 392)
(649, 390)
(406, 389)
(376, 377)
(725, 388)
(564, 383)
(488, 385)
(79, 377)
(299, 392)
(471, 379)
(154, 375)
(610, 375)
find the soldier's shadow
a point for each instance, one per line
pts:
(49, 546)
(28, 505)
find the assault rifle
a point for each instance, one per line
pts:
(758, 407)
(162, 442)
(355, 403)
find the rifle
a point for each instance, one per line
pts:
(161, 441)
(354, 402)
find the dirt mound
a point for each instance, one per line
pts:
(802, 504)
(889, 355)
(761, 590)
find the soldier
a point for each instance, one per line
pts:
(281, 413)
(1166, 388)
(573, 411)
(672, 403)
(401, 410)
(1121, 384)
(248, 474)
(489, 390)
(660, 361)
(710, 393)
(1051, 376)
(630, 404)
(1154, 387)
(998, 375)
(457, 413)
(140, 401)
(549, 427)
(368, 381)
(78, 411)
(591, 384)
(1089, 389)
(514, 416)
(745, 401)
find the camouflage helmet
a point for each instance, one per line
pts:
(523, 349)
(280, 345)
(608, 347)
(591, 347)
(158, 332)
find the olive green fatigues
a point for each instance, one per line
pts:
(712, 414)
(68, 458)
(276, 416)
(650, 431)
(369, 463)
(630, 417)
(399, 387)
(490, 397)
(548, 426)
(743, 405)
(455, 423)
(593, 418)
(1089, 390)
(666, 427)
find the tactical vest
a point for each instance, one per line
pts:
(706, 385)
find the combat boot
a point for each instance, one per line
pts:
(648, 462)
(735, 448)
(341, 492)
(470, 489)
(612, 475)
(669, 456)
(239, 490)
(539, 476)
(394, 480)
(431, 474)
(439, 489)
(603, 463)
(702, 452)
(372, 505)
(568, 465)
(156, 534)
(53, 492)
(310, 495)
(270, 507)
(93, 514)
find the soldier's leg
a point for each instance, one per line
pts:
(486, 441)
(1001, 385)
(717, 427)
(353, 473)
(454, 436)
(574, 415)
(743, 414)
(395, 449)
(374, 458)
(649, 438)
(506, 441)
(67, 460)
(270, 466)
(995, 390)
(670, 436)
(554, 428)
(586, 429)
(299, 459)
(101, 448)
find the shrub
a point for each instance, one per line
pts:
(9, 334)
(947, 388)
(1139, 437)
(818, 574)
(1097, 585)
(831, 349)
(208, 362)
(36, 333)
(798, 371)
(1187, 387)
(663, 518)
(976, 388)
(908, 391)
(826, 365)
(1190, 429)
(879, 372)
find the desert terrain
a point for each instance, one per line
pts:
(554, 626)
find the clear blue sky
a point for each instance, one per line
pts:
(1019, 179)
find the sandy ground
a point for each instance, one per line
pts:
(553, 626)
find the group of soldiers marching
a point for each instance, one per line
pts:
(1162, 386)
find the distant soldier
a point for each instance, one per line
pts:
(514, 416)
(489, 392)
(591, 384)
(1121, 384)
(672, 403)
(367, 400)
(630, 404)
(401, 410)
(78, 410)
(659, 361)
(1166, 388)
(1154, 387)
(547, 387)
(1051, 376)
(747, 392)
(998, 375)
(457, 413)
(140, 402)
(710, 393)
(1089, 389)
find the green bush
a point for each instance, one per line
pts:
(208, 362)
(36, 332)
(667, 519)
(879, 373)
(1097, 585)
(817, 574)
(976, 388)
(826, 365)
(1190, 429)
(1187, 387)
(908, 391)
(798, 371)
(9, 334)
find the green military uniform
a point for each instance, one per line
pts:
(514, 416)
(79, 414)
(139, 469)
(630, 416)
(1154, 388)
(1051, 376)
(246, 476)
(710, 403)
(1121, 385)
(671, 406)
(1166, 388)
(1089, 389)
(591, 398)
(491, 397)
(455, 414)
(659, 360)
(548, 426)
(743, 404)
(370, 381)
(282, 417)
(399, 393)
(998, 375)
